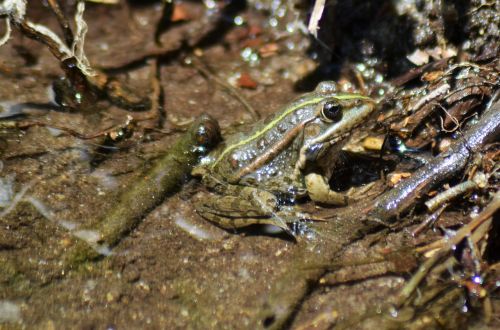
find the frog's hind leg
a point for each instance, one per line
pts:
(244, 207)
(240, 222)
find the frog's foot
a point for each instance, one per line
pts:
(319, 190)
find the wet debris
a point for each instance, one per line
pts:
(447, 108)
(460, 255)
(82, 84)
(443, 167)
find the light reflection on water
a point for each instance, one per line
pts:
(90, 236)
(9, 312)
(192, 229)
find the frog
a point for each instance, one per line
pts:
(257, 174)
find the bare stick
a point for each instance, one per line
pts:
(312, 27)
(63, 22)
(444, 166)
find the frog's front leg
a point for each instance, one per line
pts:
(319, 190)
(243, 206)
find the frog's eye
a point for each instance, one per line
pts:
(331, 112)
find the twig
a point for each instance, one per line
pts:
(429, 220)
(444, 166)
(63, 22)
(82, 136)
(60, 49)
(448, 195)
(446, 244)
(45, 36)
(8, 31)
(312, 27)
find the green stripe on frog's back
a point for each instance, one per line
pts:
(312, 99)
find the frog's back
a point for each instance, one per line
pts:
(265, 156)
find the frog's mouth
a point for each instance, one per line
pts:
(318, 150)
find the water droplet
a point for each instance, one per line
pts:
(361, 67)
(238, 20)
(273, 22)
(281, 12)
(393, 311)
(477, 279)
(210, 4)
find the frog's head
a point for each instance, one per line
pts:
(335, 115)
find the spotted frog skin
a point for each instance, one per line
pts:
(287, 156)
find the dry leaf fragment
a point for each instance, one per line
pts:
(246, 81)
(395, 178)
